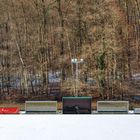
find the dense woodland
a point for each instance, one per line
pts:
(38, 38)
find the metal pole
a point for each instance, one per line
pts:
(77, 79)
(76, 62)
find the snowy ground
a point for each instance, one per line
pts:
(69, 127)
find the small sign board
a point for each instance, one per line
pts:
(77, 105)
(41, 106)
(8, 110)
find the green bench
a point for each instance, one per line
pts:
(77, 105)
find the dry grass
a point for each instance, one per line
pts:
(21, 106)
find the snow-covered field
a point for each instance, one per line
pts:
(69, 127)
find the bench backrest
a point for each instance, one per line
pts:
(137, 110)
(41, 106)
(112, 106)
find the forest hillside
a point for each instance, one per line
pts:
(39, 38)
